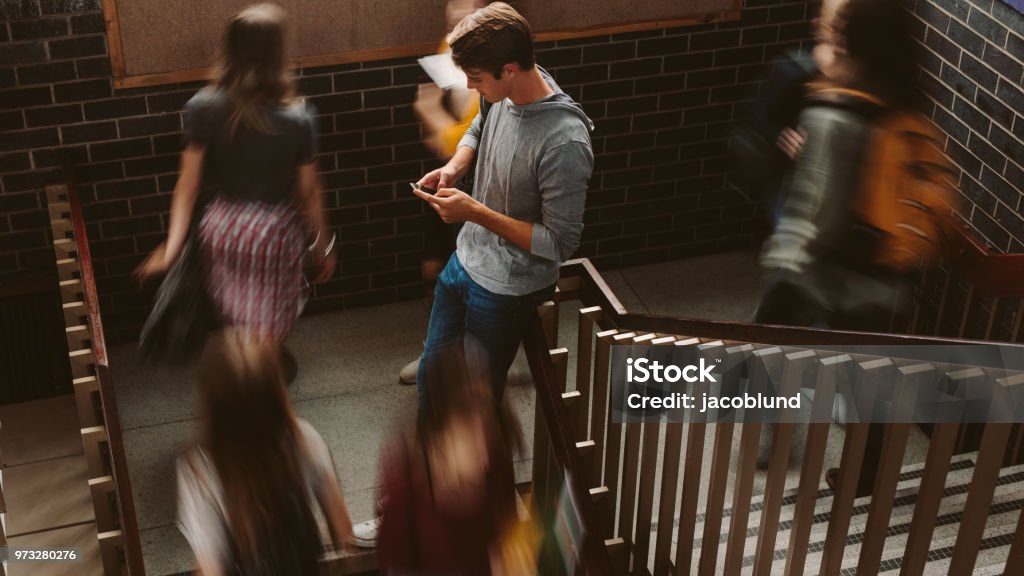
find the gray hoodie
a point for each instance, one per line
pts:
(533, 163)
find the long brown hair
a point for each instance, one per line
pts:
(254, 71)
(251, 436)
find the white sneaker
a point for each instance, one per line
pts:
(364, 534)
(407, 375)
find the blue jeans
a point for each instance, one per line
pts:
(493, 324)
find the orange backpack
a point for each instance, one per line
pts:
(906, 191)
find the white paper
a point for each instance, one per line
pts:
(442, 70)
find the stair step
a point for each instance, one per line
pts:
(81, 536)
(39, 430)
(46, 495)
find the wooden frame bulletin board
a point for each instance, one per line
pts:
(154, 42)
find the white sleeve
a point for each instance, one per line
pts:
(199, 515)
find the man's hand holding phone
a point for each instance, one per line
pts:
(451, 204)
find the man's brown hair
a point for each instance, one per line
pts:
(491, 37)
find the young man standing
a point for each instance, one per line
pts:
(531, 146)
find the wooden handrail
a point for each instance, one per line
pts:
(593, 290)
(111, 418)
(992, 274)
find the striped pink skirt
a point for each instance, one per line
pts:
(253, 253)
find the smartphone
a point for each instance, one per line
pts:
(426, 189)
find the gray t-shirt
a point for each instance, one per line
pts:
(252, 166)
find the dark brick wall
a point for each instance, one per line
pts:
(663, 102)
(972, 71)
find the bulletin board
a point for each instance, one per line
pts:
(154, 42)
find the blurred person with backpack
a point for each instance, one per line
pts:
(869, 201)
(248, 491)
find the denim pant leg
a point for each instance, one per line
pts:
(447, 320)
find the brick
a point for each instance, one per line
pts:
(154, 165)
(367, 230)
(83, 90)
(365, 157)
(1006, 145)
(656, 121)
(412, 74)
(958, 8)
(120, 149)
(760, 35)
(560, 57)
(362, 80)
(88, 132)
(26, 139)
(791, 13)
(973, 117)
(130, 226)
(88, 24)
(609, 52)
(583, 41)
(961, 84)
(5, 35)
(655, 157)
(1014, 175)
(977, 194)
(54, 115)
(404, 115)
(50, 157)
(158, 204)
(115, 108)
(638, 35)
(994, 109)
(937, 90)
(14, 54)
(662, 46)
(315, 85)
(737, 93)
(714, 113)
(707, 78)
(388, 97)
(687, 62)
(986, 152)
(630, 106)
(675, 136)
(663, 83)
(68, 6)
(749, 55)
(105, 210)
(15, 162)
(397, 209)
(684, 99)
(20, 202)
(1011, 95)
(170, 102)
(25, 97)
(933, 16)
(362, 120)
(612, 126)
(1000, 188)
(794, 32)
(78, 47)
(963, 158)
(407, 171)
(100, 171)
(345, 178)
(149, 125)
(1010, 17)
(126, 189)
(582, 74)
(93, 67)
(8, 79)
(952, 126)
(338, 142)
(37, 29)
(630, 142)
(977, 71)
(714, 40)
(989, 229)
(392, 136)
(943, 46)
(26, 240)
(987, 27)
(46, 73)
(30, 220)
(605, 90)
(965, 38)
(167, 144)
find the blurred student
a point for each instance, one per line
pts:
(252, 142)
(448, 492)
(445, 115)
(841, 256)
(247, 492)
